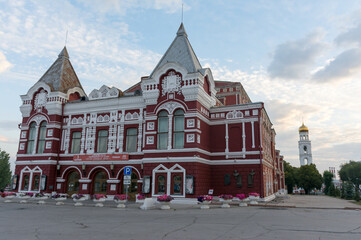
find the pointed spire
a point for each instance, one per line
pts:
(64, 53)
(61, 75)
(181, 52)
(182, 31)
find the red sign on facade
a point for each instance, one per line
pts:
(101, 157)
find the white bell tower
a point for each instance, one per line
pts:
(304, 146)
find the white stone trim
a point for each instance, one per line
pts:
(36, 169)
(193, 130)
(113, 181)
(71, 167)
(36, 162)
(84, 180)
(162, 169)
(99, 167)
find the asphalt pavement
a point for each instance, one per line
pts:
(184, 221)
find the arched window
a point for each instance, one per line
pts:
(131, 143)
(42, 136)
(163, 130)
(102, 141)
(75, 142)
(31, 138)
(178, 129)
(161, 184)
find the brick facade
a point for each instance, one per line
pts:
(210, 136)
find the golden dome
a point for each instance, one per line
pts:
(303, 128)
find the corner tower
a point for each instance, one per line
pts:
(304, 146)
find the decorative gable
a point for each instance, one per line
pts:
(104, 92)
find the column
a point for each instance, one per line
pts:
(170, 122)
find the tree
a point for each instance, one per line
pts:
(290, 176)
(327, 180)
(349, 191)
(5, 173)
(351, 172)
(309, 178)
(332, 191)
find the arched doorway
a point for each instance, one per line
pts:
(73, 183)
(133, 187)
(100, 183)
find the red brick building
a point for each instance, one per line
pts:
(181, 131)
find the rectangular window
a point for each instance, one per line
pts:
(36, 182)
(177, 185)
(31, 138)
(131, 143)
(102, 144)
(42, 136)
(26, 183)
(178, 132)
(161, 184)
(162, 130)
(75, 142)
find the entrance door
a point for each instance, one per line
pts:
(73, 183)
(100, 183)
(133, 187)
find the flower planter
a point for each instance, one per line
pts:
(60, 200)
(253, 200)
(225, 203)
(79, 202)
(99, 202)
(121, 203)
(205, 204)
(164, 205)
(243, 203)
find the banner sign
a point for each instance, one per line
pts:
(101, 157)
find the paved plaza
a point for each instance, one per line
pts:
(31, 221)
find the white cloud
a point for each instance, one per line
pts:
(121, 6)
(294, 59)
(345, 66)
(97, 52)
(351, 36)
(4, 63)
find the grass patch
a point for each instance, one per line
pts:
(358, 203)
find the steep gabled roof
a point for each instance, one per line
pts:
(181, 52)
(61, 76)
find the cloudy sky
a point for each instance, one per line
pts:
(302, 58)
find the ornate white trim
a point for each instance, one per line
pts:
(171, 106)
(171, 83)
(104, 92)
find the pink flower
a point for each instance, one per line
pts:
(164, 198)
(141, 197)
(204, 198)
(99, 196)
(121, 197)
(253, 194)
(226, 197)
(241, 196)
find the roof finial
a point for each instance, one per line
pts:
(182, 13)
(66, 37)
